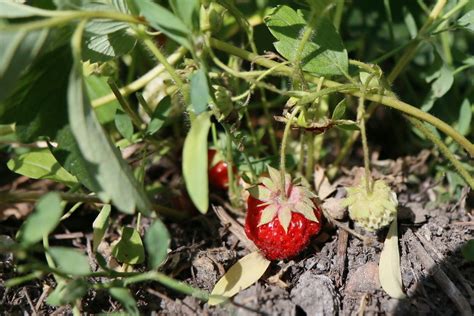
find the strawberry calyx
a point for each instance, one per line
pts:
(296, 198)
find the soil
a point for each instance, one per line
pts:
(336, 275)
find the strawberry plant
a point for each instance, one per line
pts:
(124, 122)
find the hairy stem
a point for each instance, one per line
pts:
(284, 142)
(444, 150)
(382, 99)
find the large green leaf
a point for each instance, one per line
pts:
(157, 241)
(103, 160)
(41, 164)
(17, 52)
(38, 103)
(70, 260)
(324, 54)
(195, 161)
(68, 154)
(165, 21)
(42, 221)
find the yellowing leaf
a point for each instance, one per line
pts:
(240, 276)
(389, 266)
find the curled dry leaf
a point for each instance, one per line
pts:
(240, 276)
(321, 183)
(389, 266)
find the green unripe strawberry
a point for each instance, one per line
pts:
(371, 210)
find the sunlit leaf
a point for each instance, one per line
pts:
(195, 161)
(240, 276)
(41, 164)
(100, 225)
(389, 266)
(324, 54)
(129, 249)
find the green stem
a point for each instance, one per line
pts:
(70, 16)
(161, 58)
(230, 164)
(284, 142)
(444, 150)
(410, 52)
(310, 155)
(171, 283)
(338, 14)
(365, 146)
(136, 120)
(385, 100)
(143, 80)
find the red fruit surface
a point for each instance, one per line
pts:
(218, 176)
(272, 239)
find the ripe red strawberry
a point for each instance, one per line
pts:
(281, 228)
(218, 176)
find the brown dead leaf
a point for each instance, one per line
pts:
(17, 210)
(334, 208)
(321, 183)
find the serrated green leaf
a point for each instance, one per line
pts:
(467, 21)
(66, 293)
(126, 299)
(157, 241)
(165, 21)
(12, 10)
(199, 91)
(159, 116)
(42, 221)
(41, 164)
(106, 39)
(102, 159)
(240, 276)
(100, 225)
(70, 261)
(339, 110)
(324, 55)
(129, 249)
(195, 161)
(389, 266)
